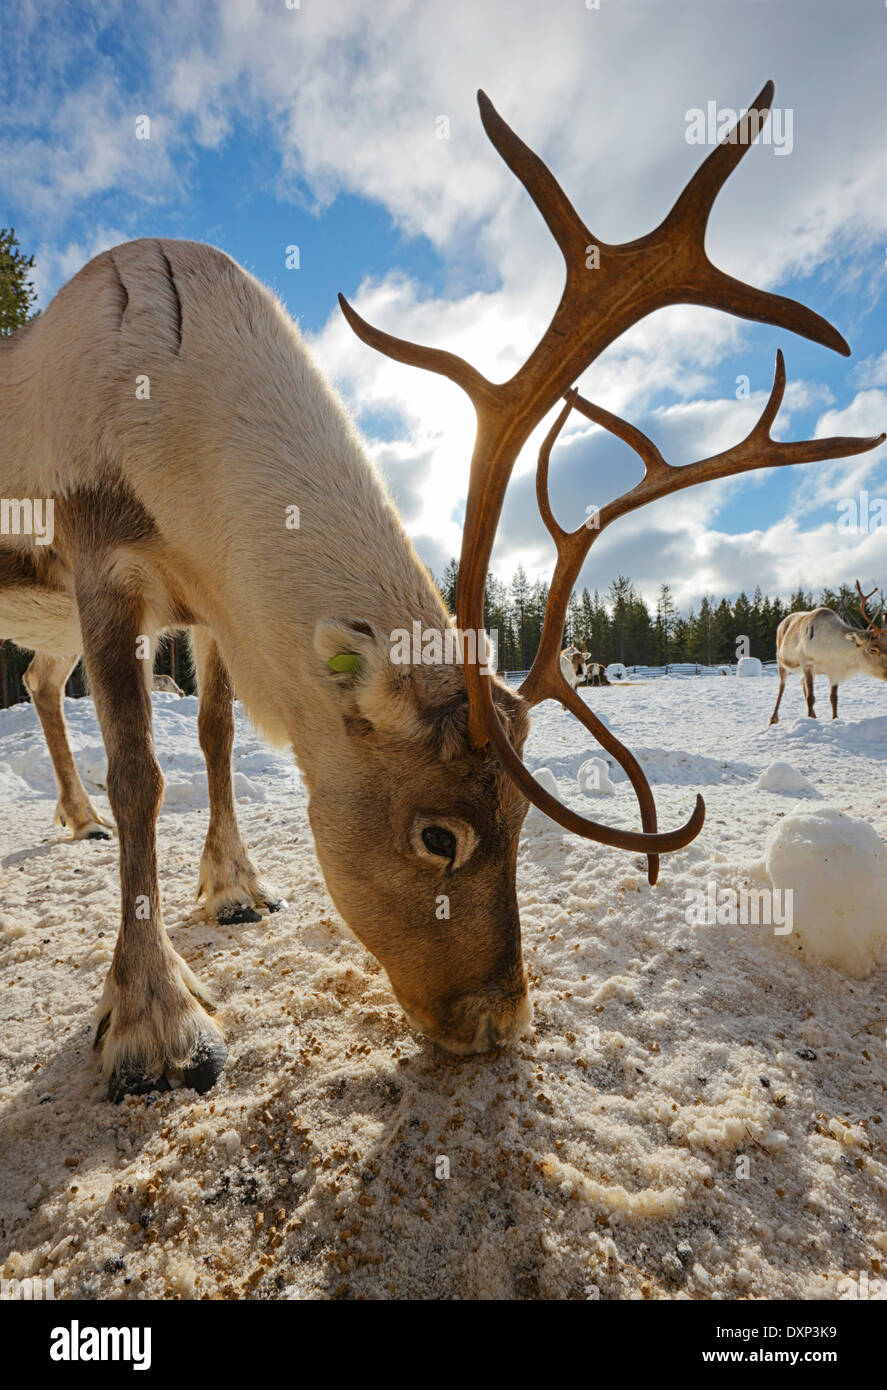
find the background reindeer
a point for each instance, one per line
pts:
(573, 666)
(818, 643)
(596, 673)
(171, 510)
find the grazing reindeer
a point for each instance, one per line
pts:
(818, 643)
(597, 673)
(168, 405)
(573, 667)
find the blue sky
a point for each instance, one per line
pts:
(319, 126)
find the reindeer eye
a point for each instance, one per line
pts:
(439, 841)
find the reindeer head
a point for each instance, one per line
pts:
(872, 643)
(573, 661)
(429, 805)
(417, 832)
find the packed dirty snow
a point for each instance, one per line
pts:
(699, 1113)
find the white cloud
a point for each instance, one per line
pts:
(824, 485)
(349, 96)
(872, 371)
(56, 264)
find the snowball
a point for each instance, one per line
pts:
(594, 778)
(547, 781)
(749, 666)
(94, 762)
(245, 789)
(786, 780)
(835, 866)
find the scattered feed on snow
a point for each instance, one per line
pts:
(606, 1156)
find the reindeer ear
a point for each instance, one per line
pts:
(376, 693)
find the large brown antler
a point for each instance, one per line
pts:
(863, 600)
(599, 302)
(757, 450)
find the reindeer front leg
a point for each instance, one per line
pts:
(228, 877)
(44, 681)
(149, 1022)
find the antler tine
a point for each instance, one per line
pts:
(447, 364)
(771, 409)
(716, 289)
(561, 218)
(555, 530)
(664, 842)
(630, 434)
(627, 761)
(863, 604)
(695, 203)
(757, 450)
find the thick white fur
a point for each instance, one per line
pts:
(181, 503)
(573, 666)
(40, 620)
(820, 641)
(240, 426)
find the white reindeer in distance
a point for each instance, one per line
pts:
(573, 666)
(818, 643)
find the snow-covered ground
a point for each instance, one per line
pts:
(700, 1112)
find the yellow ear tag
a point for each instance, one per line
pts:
(345, 661)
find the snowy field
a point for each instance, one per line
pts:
(700, 1111)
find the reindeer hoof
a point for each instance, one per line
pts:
(134, 1083)
(239, 912)
(207, 1061)
(275, 904)
(98, 835)
(202, 1072)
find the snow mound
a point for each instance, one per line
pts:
(616, 672)
(749, 666)
(548, 782)
(593, 778)
(786, 780)
(835, 867)
(94, 764)
(11, 785)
